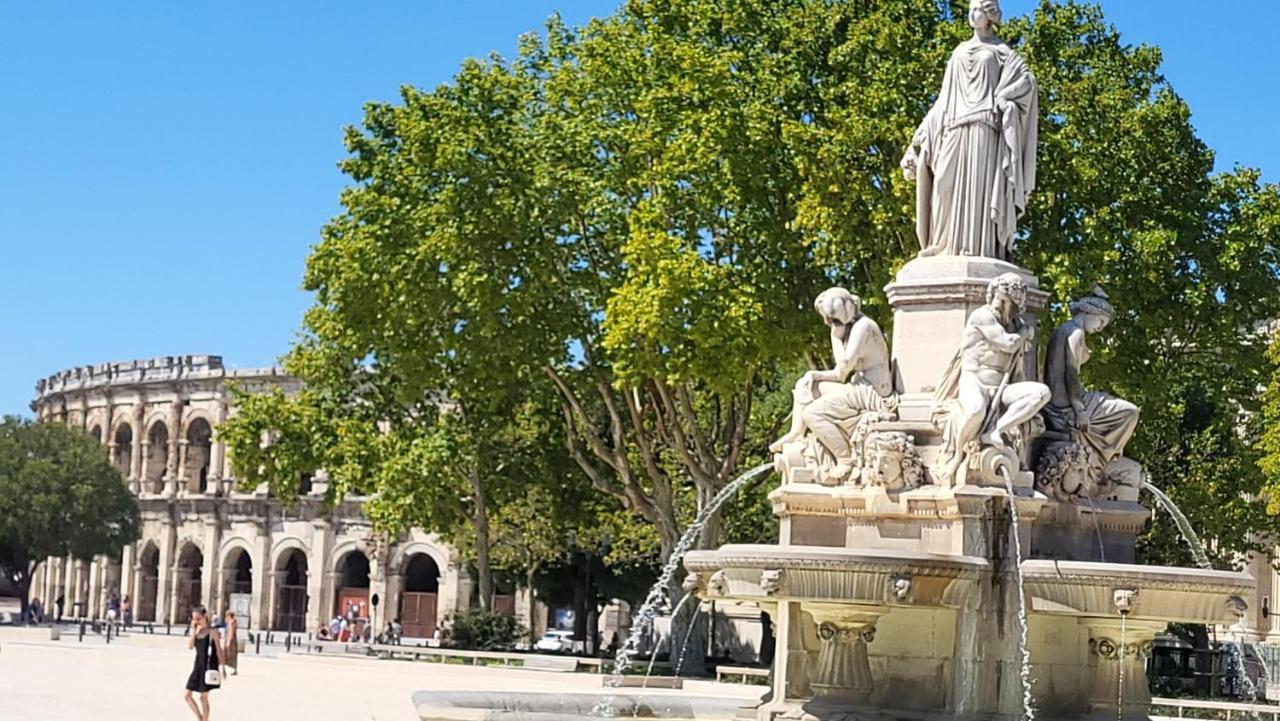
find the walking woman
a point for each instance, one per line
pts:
(206, 641)
(231, 646)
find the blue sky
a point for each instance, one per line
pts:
(166, 166)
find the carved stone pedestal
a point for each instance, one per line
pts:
(1118, 651)
(843, 674)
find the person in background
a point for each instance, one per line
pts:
(204, 638)
(58, 604)
(34, 614)
(231, 644)
(113, 609)
(126, 612)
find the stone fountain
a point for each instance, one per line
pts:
(942, 502)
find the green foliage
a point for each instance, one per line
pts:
(640, 211)
(59, 495)
(478, 629)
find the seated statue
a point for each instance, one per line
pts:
(1098, 424)
(983, 398)
(830, 403)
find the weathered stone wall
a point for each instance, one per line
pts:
(158, 418)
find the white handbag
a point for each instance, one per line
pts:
(213, 677)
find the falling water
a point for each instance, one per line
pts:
(1120, 683)
(684, 647)
(1027, 709)
(1097, 530)
(653, 655)
(1184, 526)
(657, 594)
(1202, 560)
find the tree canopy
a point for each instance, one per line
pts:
(617, 234)
(59, 496)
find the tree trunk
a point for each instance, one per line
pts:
(533, 604)
(580, 607)
(481, 519)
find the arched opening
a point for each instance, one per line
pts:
(237, 584)
(96, 433)
(157, 456)
(148, 583)
(189, 580)
(352, 596)
(124, 449)
(418, 599)
(199, 443)
(291, 593)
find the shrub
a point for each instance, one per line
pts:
(480, 630)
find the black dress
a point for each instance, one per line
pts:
(206, 659)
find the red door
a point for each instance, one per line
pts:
(418, 614)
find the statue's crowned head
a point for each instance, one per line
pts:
(837, 305)
(1094, 310)
(1011, 286)
(985, 12)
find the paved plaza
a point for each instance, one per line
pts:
(141, 679)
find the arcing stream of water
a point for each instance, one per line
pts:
(1184, 526)
(658, 593)
(1202, 560)
(1028, 709)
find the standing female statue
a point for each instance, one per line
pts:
(974, 155)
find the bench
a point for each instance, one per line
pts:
(1218, 709)
(740, 672)
(561, 664)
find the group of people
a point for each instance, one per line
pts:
(217, 652)
(348, 627)
(119, 610)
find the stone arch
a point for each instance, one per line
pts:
(351, 582)
(95, 432)
(198, 435)
(157, 454)
(280, 547)
(188, 579)
(290, 574)
(237, 573)
(148, 585)
(403, 552)
(122, 454)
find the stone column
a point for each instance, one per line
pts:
(135, 456)
(210, 596)
(68, 585)
(171, 461)
(95, 587)
(217, 453)
(319, 577)
(185, 485)
(164, 585)
(262, 586)
(144, 461)
(843, 674)
(1119, 647)
(127, 576)
(49, 591)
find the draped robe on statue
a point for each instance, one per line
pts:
(976, 153)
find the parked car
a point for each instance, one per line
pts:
(555, 642)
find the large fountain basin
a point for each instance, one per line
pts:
(514, 706)
(1164, 593)
(873, 577)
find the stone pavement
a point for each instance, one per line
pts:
(137, 679)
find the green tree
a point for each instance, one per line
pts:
(59, 495)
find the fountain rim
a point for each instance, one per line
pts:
(1121, 575)
(830, 558)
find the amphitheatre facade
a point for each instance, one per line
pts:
(206, 541)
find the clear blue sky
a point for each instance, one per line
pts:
(167, 165)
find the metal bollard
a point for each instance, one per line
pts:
(257, 644)
(109, 626)
(82, 632)
(288, 642)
